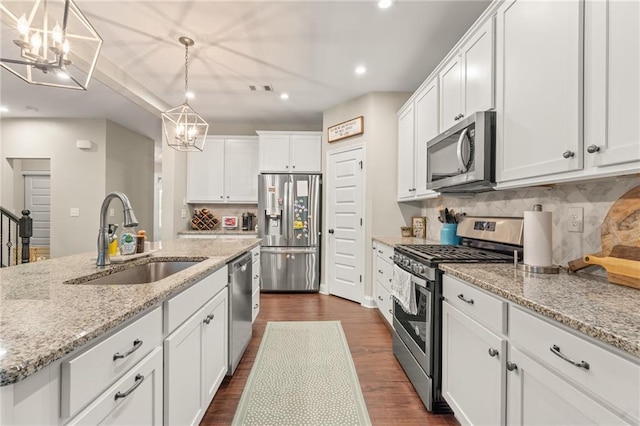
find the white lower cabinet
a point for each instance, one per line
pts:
(135, 399)
(255, 284)
(382, 275)
(473, 381)
(196, 362)
(537, 373)
(538, 396)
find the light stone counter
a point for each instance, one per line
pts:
(221, 231)
(394, 240)
(42, 319)
(604, 311)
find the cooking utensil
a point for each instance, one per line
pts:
(442, 214)
(619, 227)
(622, 265)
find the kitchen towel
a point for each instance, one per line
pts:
(402, 290)
(537, 238)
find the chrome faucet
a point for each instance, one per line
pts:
(103, 234)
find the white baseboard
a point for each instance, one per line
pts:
(369, 302)
(323, 289)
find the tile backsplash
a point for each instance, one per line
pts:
(595, 198)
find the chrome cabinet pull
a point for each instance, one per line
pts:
(255, 306)
(493, 352)
(568, 154)
(136, 345)
(390, 311)
(139, 379)
(511, 366)
(591, 149)
(380, 298)
(380, 251)
(380, 271)
(255, 277)
(469, 301)
(556, 351)
(208, 319)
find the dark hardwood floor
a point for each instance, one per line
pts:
(389, 395)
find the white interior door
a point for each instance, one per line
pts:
(345, 258)
(37, 199)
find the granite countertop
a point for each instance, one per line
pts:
(604, 311)
(221, 231)
(394, 240)
(42, 319)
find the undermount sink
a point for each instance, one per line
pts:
(140, 274)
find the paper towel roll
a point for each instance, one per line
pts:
(537, 238)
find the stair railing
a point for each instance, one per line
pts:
(16, 231)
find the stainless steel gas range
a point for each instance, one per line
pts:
(417, 338)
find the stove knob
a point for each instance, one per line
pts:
(406, 262)
(420, 269)
(396, 258)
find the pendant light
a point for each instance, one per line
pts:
(183, 128)
(48, 43)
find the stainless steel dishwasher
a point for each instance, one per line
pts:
(239, 309)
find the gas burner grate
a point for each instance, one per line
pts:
(454, 254)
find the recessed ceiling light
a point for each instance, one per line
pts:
(4, 109)
(385, 4)
(190, 95)
(360, 69)
(284, 96)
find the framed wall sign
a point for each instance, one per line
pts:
(346, 129)
(419, 225)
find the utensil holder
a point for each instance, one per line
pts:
(448, 234)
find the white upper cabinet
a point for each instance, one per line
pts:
(406, 134)
(225, 172)
(467, 80)
(290, 152)
(478, 58)
(538, 94)
(426, 128)
(417, 124)
(451, 92)
(612, 82)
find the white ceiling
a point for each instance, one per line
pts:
(308, 49)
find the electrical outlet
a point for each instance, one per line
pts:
(576, 219)
(183, 213)
(74, 212)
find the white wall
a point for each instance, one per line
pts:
(130, 168)
(77, 176)
(383, 215)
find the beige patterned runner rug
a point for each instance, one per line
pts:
(303, 375)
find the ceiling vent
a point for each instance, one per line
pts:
(261, 88)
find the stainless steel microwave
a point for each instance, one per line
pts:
(462, 159)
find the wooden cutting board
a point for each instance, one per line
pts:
(619, 227)
(622, 265)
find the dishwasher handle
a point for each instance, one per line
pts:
(241, 263)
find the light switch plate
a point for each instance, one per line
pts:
(74, 212)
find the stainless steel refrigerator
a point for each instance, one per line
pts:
(289, 226)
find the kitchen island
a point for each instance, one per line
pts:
(42, 319)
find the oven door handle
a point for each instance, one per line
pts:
(418, 281)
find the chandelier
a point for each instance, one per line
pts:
(183, 128)
(49, 43)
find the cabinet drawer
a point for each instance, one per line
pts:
(610, 377)
(143, 405)
(384, 301)
(384, 272)
(255, 254)
(474, 302)
(384, 251)
(255, 275)
(255, 303)
(182, 306)
(86, 375)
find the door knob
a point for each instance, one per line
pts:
(331, 231)
(591, 149)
